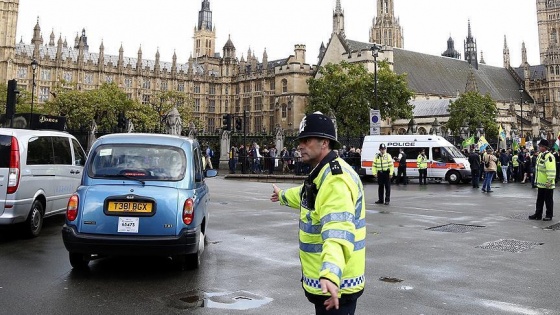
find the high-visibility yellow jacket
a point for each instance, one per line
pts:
(332, 231)
(545, 170)
(422, 161)
(515, 160)
(382, 163)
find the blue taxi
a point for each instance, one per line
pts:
(140, 194)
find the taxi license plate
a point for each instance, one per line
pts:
(127, 206)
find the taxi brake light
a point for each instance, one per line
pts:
(72, 208)
(188, 211)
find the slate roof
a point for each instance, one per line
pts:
(445, 76)
(25, 49)
(537, 72)
(431, 108)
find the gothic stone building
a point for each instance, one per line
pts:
(273, 92)
(438, 80)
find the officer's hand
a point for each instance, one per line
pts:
(328, 286)
(275, 193)
(548, 184)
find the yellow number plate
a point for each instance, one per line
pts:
(134, 207)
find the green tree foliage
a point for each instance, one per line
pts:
(347, 91)
(23, 101)
(164, 101)
(473, 109)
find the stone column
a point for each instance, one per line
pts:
(225, 146)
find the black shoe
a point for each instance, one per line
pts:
(489, 191)
(386, 203)
(544, 219)
(379, 202)
(534, 217)
(483, 190)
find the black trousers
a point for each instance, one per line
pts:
(423, 173)
(545, 196)
(401, 175)
(384, 186)
(475, 175)
(346, 304)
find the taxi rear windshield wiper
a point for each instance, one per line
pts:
(123, 176)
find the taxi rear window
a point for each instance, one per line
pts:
(5, 148)
(142, 162)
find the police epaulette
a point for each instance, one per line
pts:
(336, 169)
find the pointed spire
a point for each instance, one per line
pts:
(482, 58)
(505, 42)
(65, 44)
(121, 50)
(471, 82)
(157, 54)
(101, 47)
(338, 7)
(51, 39)
(523, 54)
(470, 32)
(507, 62)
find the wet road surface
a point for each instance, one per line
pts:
(490, 261)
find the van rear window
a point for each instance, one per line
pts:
(5, 148)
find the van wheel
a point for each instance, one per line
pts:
(79, 261)
(34, 222)
(453, 177)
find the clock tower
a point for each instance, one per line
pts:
(204, 33)
(8, 24)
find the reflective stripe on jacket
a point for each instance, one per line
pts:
(382, 163)
(422, 162)
(546, 170)
(332, 231)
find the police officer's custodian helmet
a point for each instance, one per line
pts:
(382, 146)
(318, 125)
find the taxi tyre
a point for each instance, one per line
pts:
(191, 261)
(34, 222)
(78, 260)
(453, 177)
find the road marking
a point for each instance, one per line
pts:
(518, 309)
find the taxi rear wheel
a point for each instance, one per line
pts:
(191, 261)
(79, 261)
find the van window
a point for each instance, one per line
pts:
(79, 155)
(5, 148)
(39, 151)
(412, 153)
(62, 151)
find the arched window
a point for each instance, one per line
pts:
(557, 70)
(284, 111)
(284, 86)
(422, 131)
(401, 131)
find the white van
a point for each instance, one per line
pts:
(39, 171)
(445, 161)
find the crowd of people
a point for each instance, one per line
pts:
(255, 159)
(506, 165)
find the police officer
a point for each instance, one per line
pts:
(422, 163)
(545, 175)
(383, 168)
(401, 171)
(332, 220)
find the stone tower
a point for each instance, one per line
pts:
(386, 28)
(204, 33)
(548, 12)
(471, 54)
(338, 19)
(8, 24)
(451, 52)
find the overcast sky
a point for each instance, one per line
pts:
(278, 25)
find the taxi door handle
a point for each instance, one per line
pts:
(74, 172)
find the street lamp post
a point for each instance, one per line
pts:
(375, 53)
(34, 65)
(521, 102)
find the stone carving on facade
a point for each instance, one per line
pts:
(129, 126)
(92, 132)
(173, 123)
(192, 130)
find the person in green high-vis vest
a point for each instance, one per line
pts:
(422, 162)
(545, 170)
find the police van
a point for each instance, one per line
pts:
(445, 161)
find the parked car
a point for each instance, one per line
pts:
(39, 171)
(141, 194)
